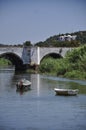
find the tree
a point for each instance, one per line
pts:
(27, 43)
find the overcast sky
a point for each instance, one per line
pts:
(37, 20)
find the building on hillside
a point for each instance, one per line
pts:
(67, 38)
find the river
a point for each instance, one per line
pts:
(39, 108)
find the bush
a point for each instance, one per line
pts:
(4, 62)
(72, 66)
(62, 67)
(75, 74)
(48, 65)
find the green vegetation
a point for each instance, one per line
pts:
(4, 62)
(54, 41)
(72, 66)
(27, 43)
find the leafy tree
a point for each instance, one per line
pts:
(27, 43)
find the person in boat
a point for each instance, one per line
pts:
(21, 84)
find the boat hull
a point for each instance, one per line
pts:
(66, 92)
(22, 87)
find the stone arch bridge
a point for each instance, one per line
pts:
(21, 56)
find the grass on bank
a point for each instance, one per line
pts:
(72, 66)
(4, 62)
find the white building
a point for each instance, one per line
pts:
(67, 38)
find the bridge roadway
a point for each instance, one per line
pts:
(26, 55)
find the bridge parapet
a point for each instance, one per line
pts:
(16, 50)
(34, 54)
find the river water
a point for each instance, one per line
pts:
(39, 108)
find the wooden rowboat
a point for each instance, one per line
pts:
(66, 92)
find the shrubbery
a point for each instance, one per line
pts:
(48, 65)
(72, 66)
(4, 62)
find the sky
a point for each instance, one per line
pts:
(37, 20)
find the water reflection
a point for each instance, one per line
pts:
(39, 108)
(9, 79)
(38, 85)
(6, 80)
(67, 83)
(22, 91)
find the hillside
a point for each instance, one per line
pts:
(64, 40)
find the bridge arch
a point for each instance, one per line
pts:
(15, 59)
(52, 54)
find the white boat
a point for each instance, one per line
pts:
(66, 92)
(23, 84)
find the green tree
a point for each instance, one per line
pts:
(27, 43)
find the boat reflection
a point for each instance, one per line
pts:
(22, 91)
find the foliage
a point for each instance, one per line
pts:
(27, 43)
(81, 37)
(4, 62)
(47, 65)
(54, 42)
(76, 54)
(75, 74)
(75, 63)
(72, 66)
(63, 66)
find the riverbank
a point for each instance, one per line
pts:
(72, 66)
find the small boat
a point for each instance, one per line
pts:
(66, 92)
(23, 84)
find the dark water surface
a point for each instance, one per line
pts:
(39, 108)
